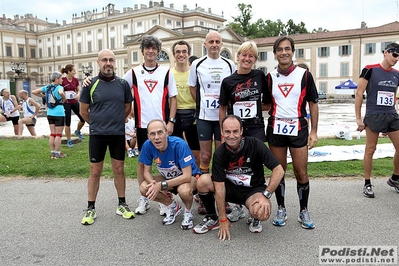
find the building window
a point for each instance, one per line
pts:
(89, 46)
(323, 70)
(40, 53)
(78, 34)
(49, 51)
(344, 69)
(139, 24)
(40, 41)
(135, 57)
(201, 23)
(68, 36)
(21, 52)
(168, 22)
(58, 50)
(99, 30)
(48, 40)
(345, 50)
(300, 53)
(58, 38)
(262, 56)
(8, 51)
(324, 51)
(264, 69)
(124, 39)
(79, 48)
(112, 28)
(69, 51)
(323, 87)
(178, 24)
(112, 43)
(154, 22)
(50, 69)
(384, 45)
(32, 52)
(162, 56)
(88, 32)
(100, 45)
(125, 26)
(31, 27)
(370, 48)
(225, 54)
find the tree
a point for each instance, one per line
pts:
(242, 25)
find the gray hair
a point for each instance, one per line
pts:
(150, 41)
(55, 75)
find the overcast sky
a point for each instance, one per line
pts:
(330, 15)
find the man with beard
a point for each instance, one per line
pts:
(107, 129)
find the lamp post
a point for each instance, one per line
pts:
(18, 68)
(87, 70)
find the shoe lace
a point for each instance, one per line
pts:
(125, 207)
(305, 215)
(188, 216)
(280, 213)
(89, 212)
(255, 222)
(368, 188)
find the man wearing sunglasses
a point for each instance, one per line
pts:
(380, 81)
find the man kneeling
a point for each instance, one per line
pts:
(237, 176)
(178, 171)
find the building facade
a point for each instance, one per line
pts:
(332, 57)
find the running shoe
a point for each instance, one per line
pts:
(281, 217)
(236, 214)
(206, 225)
(124, 210)
(69, 143)
(171, 214)
(368, 191)
(187, 222)
(162, 209)
(228, 208)
(144, 205)
(393, 183)
(77, 133)
(60, 155)
(136, 152)
(254, 225)
(130, 153)
(304, 219)
(89, 217)
(53, 156)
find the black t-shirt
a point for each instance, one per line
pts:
(242, 93)
(246, 167)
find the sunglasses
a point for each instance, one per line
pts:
(395, 55)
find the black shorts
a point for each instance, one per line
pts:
(288, 141)
(98, 147)
(382, 122)
(256, 132)
(191, 135)
(33, 123)
(57, 120)
(141, 136)
(240, 194)
(13, 119)
(208, 130)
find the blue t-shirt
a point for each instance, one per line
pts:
(171, 162)
(56, 110)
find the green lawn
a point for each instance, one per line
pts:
(31, 158)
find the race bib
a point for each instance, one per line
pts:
(239, 179)
(70, 95)
(245, 109)
(211, 101)
(286, 126)
(169, 173)
(385, 98)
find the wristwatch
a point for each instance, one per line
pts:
(164, 184)
(172, 119)
(267, 194)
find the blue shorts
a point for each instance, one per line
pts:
(208, 130)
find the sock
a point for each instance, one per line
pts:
(280, 193)
(188, 210)
(208, 199)
(57, 152)
(303, 193)
(91, 205)
(122, 200)
(367, 182)
(204, 169)
(395, 177)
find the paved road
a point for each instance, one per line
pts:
(329, 115)
(40, 225)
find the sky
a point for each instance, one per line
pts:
(330, 15)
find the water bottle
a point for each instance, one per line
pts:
(358, 135)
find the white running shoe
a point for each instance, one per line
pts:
(144, 205)
(187, 222)
(162, 209)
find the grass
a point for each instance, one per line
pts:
(31, 158)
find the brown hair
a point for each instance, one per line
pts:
(67, 68)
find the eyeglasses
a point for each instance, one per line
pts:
(105, 60)
(159, 133)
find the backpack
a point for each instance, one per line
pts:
(52, 101)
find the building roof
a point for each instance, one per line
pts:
(340, 34)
